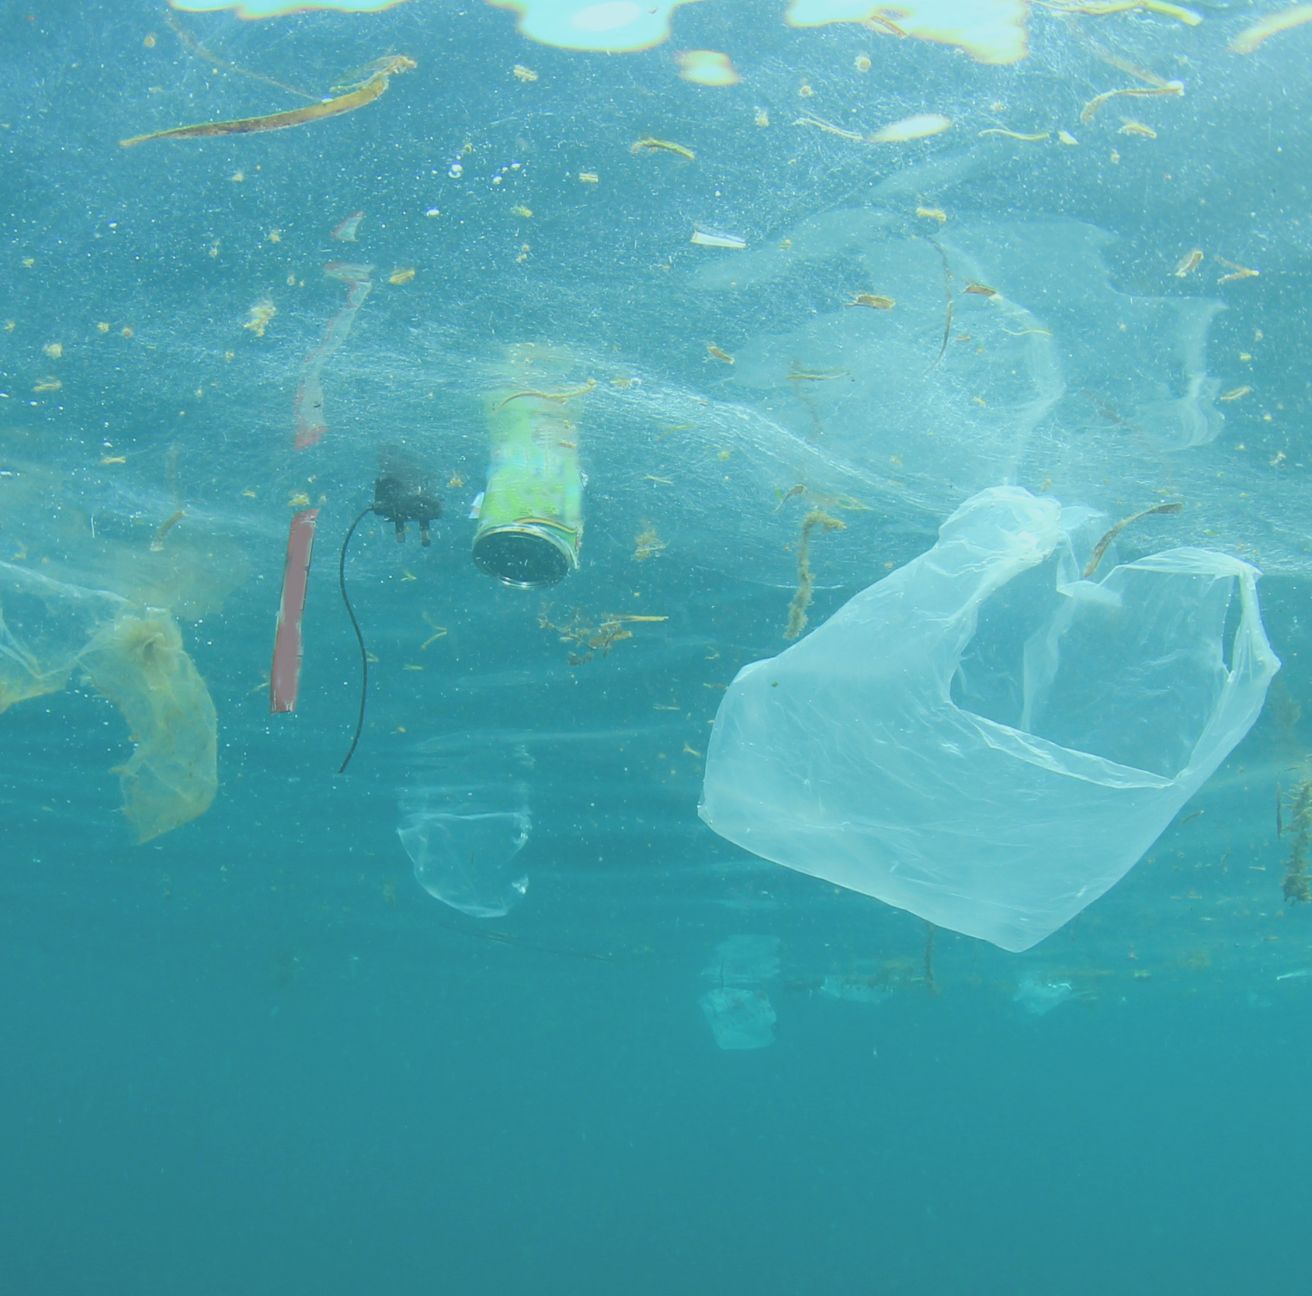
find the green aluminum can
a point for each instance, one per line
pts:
(530, 523)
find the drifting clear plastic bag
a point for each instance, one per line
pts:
(985, 738)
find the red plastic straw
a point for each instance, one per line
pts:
(285, 674)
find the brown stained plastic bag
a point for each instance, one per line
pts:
(135, 657)
(139, 663)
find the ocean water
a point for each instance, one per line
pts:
(495, 1011)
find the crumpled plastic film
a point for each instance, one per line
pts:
(986, 738)
(134, 656)
(139, 663)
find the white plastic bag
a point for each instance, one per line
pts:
(984, 738)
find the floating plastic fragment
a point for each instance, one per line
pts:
(308, 408)
(739, 1018)
(716, 239)
(1039, 997)
(921, 126)
(707, 68)
(467, 858)
(738, 1008)
(347, 231)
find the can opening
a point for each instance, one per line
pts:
(525, 555)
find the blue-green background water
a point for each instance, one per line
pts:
(254, 1055)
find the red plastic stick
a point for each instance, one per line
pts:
(285, 674)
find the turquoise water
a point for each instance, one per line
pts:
(253, 1053)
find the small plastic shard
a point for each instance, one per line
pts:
(308, 407)
(285, 674)
(707, 68)
(716, 239)
(921, 126)
(347, 230)
(740, 1017)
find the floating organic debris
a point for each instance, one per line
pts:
(365, 93)
(1297, 886)
(805, 574)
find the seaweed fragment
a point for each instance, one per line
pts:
(805, 573)
(1297, 822)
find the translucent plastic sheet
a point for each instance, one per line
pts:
(467, 860)
(737, 1007)
(985, 738)
(464, 834)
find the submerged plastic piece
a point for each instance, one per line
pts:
(1039, 997)
(984, 738)
(134, 656)
(468, 861)
(740, 1017)
(285, 673)
(308, 409)
(738, 1008)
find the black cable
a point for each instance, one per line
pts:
(355, 625)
